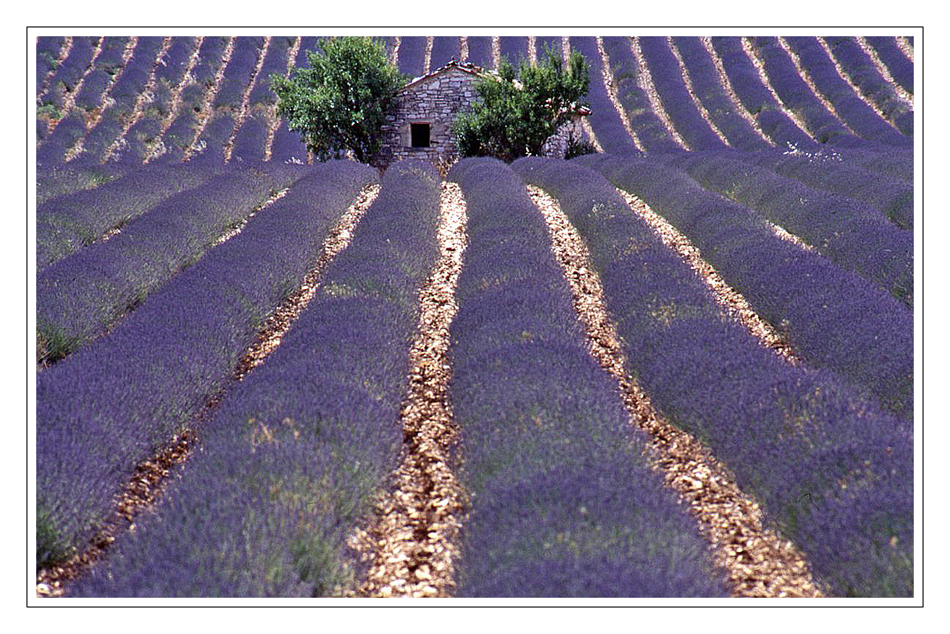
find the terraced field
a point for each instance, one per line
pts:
(681, 366)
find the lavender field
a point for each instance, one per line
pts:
(679, 366)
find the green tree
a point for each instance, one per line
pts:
(516, 115)
(340, 102)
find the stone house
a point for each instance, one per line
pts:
(420, 125)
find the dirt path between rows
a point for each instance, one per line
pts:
(143, 491)
(756, 561)
(412, 542)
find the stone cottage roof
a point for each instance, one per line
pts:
(472, 69)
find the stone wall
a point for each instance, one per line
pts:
(436, 101)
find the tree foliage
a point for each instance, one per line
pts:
(517, 114)
(340, 101)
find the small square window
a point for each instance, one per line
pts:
(420, 134)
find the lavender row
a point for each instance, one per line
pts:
(900, 68)
(173, 64)
(275, 61)
(563, 502)
(70, 71)
(60, 180)
(47, 57)
(107, 65)
(67, 223)
(852, 110)
(839, 174)
(514, 49)
(862, 72)
(479, 51)
(126, 91)
(671, 89)
(250, 140)
(52, 151)
(709, 90)
(755, 96)
(850, 233)
(650, 130)
(81, 296)
(412, 55)
(179, 136)
(444, 48)
(795, 93)
(288, 146)
(604, 120)
(115, 402)
(831, 470)
(832, 317)
(238, 72)
(292, 459)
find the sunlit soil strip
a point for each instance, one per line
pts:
(69, 99)
(612, 93)
(585, 124)
(272, 117)
(205, 115)
(684, 72)
(175, 102)
(463, 48)
(806, 77)
(882, 69)
(242, 111)
(731, 300)
(428, 58)
(412, 543)
(903, 43)
(533, 50)
(395, 59)
(759, 66)
(63, 54)
(758, 563)
(645, 81)
(151, 476)
(857, 91)
(733, 97)
(144, 97)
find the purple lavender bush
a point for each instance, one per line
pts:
(861, 71)
(832, 317)
(445, 48)
(836, 173)
(900, 68)
(849, 232)
(562, 500)
(67, 223)
(115, 402)
(671, 89)
(832, 470)
(848, 105)
(292, 459)
(81, 296)
(648, 127)
(710, 92)
(755, 96)
(795, 94)
(604, 120)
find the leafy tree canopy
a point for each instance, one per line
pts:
(340, 102)
(517, 115)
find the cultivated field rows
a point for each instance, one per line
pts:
(264, 376)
